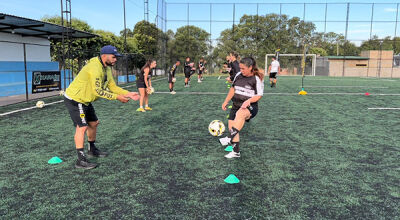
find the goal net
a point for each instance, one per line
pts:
(291, 64)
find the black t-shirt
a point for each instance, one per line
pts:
(245, 88)
(141, 75)
(234, 69)
(187, 68)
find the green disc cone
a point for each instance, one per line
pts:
(227, 116)
(231, 179)
(54, 160)
(226, 82)
(230, 106)
(229, 148)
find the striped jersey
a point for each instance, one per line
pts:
(245, 88)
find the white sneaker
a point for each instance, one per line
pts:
(199, 81)
(224, 141)
(232, 154)
(173, 92)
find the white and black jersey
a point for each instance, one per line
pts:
(246, 88)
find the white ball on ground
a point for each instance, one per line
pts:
(40, 104)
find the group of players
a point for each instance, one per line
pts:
(189, 69)
(95, 81)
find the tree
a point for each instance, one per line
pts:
(259, 35)
(319, 51)
(188, 41)
(129, 33)
(147, 36)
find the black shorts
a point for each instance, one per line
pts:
(170, 77)
(252, 108)
(140, 84)
(200, 72)
(80, 114)
(272, 75)
(187, 74)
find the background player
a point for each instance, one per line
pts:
(201, 70)
(171, 76)
(143, 83)
(274, 69)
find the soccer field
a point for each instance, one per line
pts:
(320, 156)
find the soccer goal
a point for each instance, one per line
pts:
(291, 64)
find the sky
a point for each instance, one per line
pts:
(109, 15)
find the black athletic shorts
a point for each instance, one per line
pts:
(200, 72)
(252, 108)
(80, 114)
(187, 74)
(140, 84)
(272, 75)
(170, 77)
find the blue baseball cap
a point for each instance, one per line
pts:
(110, 50)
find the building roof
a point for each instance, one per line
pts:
(347, 58)
(33, 28)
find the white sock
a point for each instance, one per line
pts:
(146, 106)
(141, 106)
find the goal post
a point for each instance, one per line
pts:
(293, 56)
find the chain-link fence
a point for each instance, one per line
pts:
(358, 39)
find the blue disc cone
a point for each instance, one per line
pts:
(54, 160)
(229, 148)
(231, 179)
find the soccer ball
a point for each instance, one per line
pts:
(173, 79)
(61, 92)
(151, 91)
(216, 128)
(40, 104)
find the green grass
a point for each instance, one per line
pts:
(303, 157)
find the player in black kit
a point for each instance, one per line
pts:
(171, 76)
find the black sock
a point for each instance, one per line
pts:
(81, 154)
(92, 146)
(170, 90)
(233, 132)
(235, 146)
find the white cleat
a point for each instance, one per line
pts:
(173, 92)
(224, 141)
(232, 154)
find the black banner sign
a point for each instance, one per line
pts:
(46, 81)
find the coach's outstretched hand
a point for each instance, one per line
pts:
(122, 98)
(133, 95)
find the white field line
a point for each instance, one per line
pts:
(355, 80)
(52, 103)
(24, 109)
(316, 93)
(383, 108)
(345, 87)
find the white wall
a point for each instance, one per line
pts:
(15, 52)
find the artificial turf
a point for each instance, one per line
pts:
(320, 156)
